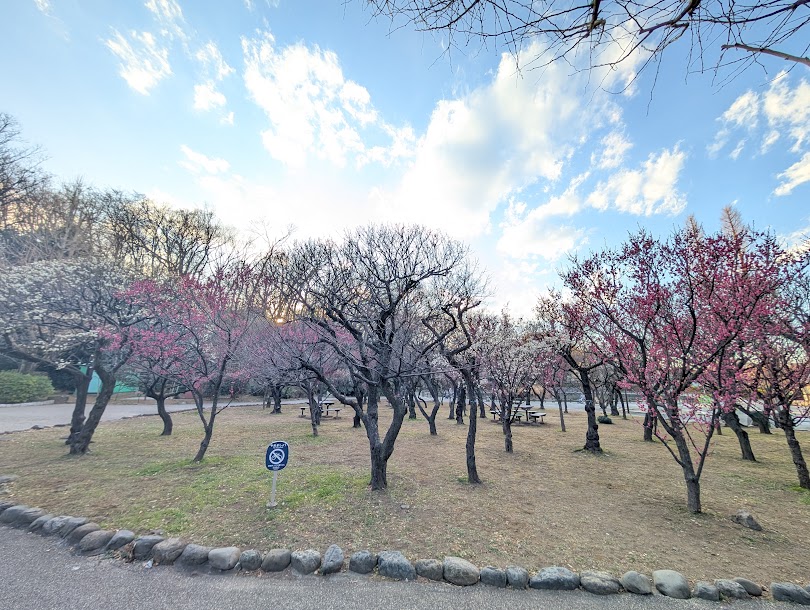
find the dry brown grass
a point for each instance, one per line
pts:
(543, 505)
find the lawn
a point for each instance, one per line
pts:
(545, 504)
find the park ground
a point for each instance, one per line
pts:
(545, 504)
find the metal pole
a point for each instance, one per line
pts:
(272, 502)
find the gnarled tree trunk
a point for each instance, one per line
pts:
(733, 421)
(592, 434)
(81, 441)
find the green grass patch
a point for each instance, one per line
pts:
(804, 494)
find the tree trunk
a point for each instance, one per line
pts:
(624, 406)
(431, 418)
(314, 415)
(79, 407)
(691, 478)
(506, 424)
(472, 470)
(276, 390)
(761, 420)
(209, 431)
(733, 421)
(649, 424)
(565, 402)
(693, 495)
(81, 441)
(592, 435)
(381, 451)
(411, 405)
(562, 417)
(614, 404)
(461, 405)
(786, 422)
(164, 414)
(482, 405)
(452, 414)
(379, 469)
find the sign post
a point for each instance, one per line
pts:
(278, 452)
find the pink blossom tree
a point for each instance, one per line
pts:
(664, 311)
(202, 325)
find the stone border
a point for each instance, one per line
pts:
(89, 539)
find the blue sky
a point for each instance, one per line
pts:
(310, 113)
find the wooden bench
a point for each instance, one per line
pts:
(335, 410)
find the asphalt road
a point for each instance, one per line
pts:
(38, 573)
(14, 418)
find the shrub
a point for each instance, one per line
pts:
(604, 419)
(18, 387)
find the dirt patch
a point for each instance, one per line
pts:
(545, 504)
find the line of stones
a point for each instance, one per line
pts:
(90, 539)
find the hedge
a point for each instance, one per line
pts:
(18, 387)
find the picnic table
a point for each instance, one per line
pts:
(529, 413)
(327, 408)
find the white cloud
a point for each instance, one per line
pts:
(534, 233)
(170, 17)
(487, 146)
(652, 189)
(227, 119)
(44, 6)
(785, 109)
(197, 162)
(789, 109)
(312, 108)
(144, 62)
(738, 149)
(769, 140)
(743, 111)
(206, 97)
(793, 176)
(614, 146)
(211, 59)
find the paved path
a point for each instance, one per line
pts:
(38, 573)
(22, 417)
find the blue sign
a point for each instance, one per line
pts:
(278, 452)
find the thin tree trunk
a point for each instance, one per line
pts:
(786, 422)
(562, 417)
(649, 427)
(472, 469)
(81, 441)
(689, 475)
(614, 402)
(276, 390)
(206, 441)
(208, 426)
(733, 421)
(506, 424)
(79, 407)
(565, 402)
(482, 405)
(314, 416)
(431, 418)
(411, 404)
(461, 405)
(164, 414)
(761, 420)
